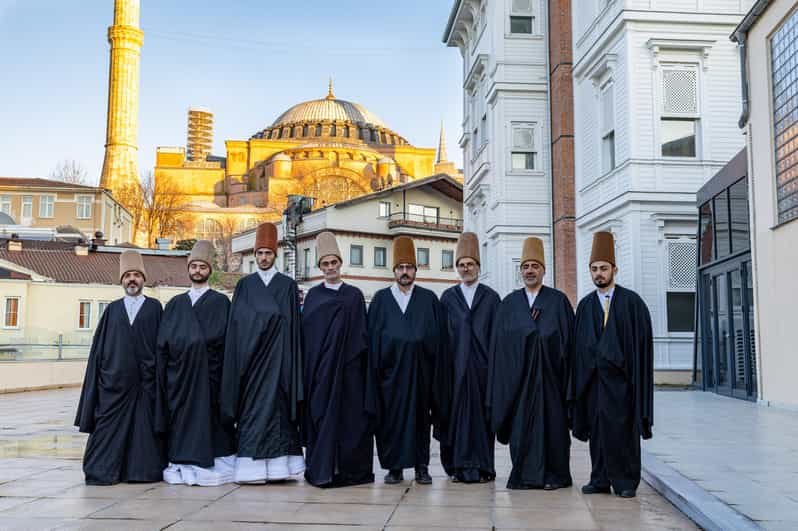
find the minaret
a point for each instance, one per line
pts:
(120, 167)
(442, 164)
(441, 147)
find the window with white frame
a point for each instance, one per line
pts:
(422, 257)
(522, 19)
(27, 207)
(522, 154)
(608, 127)
(356, 255)
(84, 315)
(11, 319)
(447, 259)
(306, 262)
(83, 206)
(680, 289)
(415, 212)
(679, 120)
(380, 256)
(46, 206)
(385, 209)
(102, 306)
(5, 204)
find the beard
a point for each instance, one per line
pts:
(132, 289)
(404, 280)
(265, 266)
(199, 278)
(602, 282)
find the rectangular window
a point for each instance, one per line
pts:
(46, 206)
(385, 209)
(521, 17)
(522, 155)
(680, 112)
(706, 233)
(380, 256)
(12, 312)
(84, 315)
(422, 257)
(83, 206)
(681, 311)
(430, 214)
(27, 207)
(608, 128)
(356, 255)
(447, 259)
(680, 295)
(306, 262)
(784, 53)
(738, 208)
(721, 210)
(415, 212)
(5, 204)
(102, 306)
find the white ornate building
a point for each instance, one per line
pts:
(506, 139)
(656, 102)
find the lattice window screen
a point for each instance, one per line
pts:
(680, 91)
(681, 264)
(524, 137)
(522, 6)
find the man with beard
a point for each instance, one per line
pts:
(262, 387)
(190, 353)
(337, 430)
(528, 382)
(405, 338)
(118, 399)
(467, 441)
(612, 384)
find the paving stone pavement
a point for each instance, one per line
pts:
(41, 487)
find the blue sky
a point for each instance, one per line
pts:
(246, 60)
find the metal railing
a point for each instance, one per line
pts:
(408, 219)
(57, 350)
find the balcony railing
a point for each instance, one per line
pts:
(407, 219)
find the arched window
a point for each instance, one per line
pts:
(305, 130)
(373, 135)
(333, 130)
(318, 129)
(209, 229)
(346, 131)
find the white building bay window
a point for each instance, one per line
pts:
(680, 116)
(608, 128)
(523, 154)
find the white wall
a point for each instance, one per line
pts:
(774, 247)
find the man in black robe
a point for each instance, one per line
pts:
(118, 401)
(612, 384)
(262, 379)
(467, 440)
(405, 337)
(528, 383)
(190, 354)
(337, 430)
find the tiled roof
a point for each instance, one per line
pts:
(57, 260)
(41, 183)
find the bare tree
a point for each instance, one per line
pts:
(155, 206)
(70, 171)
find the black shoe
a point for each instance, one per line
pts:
(393, 477)
(554, 486)
(593, 489)
(422, 476)
(628, 493)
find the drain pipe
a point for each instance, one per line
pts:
(741, 46)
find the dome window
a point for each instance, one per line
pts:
(333, 130)
(346, 131)
(318, 129)
(305, 130)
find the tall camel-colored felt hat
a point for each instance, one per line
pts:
(404, 251)
(327, 245)
(603, 248)
(266, 237)
(131, 261)
(203, 251)
(467, 247)
(533, 250)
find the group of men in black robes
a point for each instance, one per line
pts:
(206, 392)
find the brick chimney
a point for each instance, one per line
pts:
(82, 248)
(15, 243)
(98, 240)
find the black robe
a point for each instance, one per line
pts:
(402, 353)
(528, 385)
(612, 386)
(190, 355)
(467, 440)
(262, 386)
(118, 399)
(337, 431)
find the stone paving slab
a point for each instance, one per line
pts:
(41, 487)
(741, 455)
